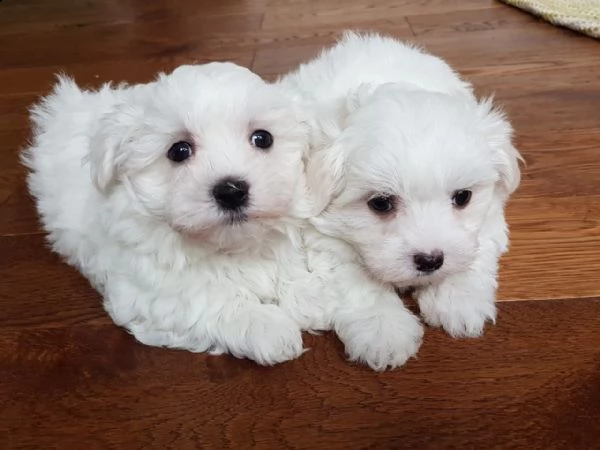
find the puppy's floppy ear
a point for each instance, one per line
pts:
(325, 168)
(327, 156)
(324, 175)
(107, 156)
(499, 133)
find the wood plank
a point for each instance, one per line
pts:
(38, 289)
(531, 382)
(554, 248)
(552, 109)
(311, 13)
(469, 22)
(18, 214)
(39, 15)
(14, 132)
(559, 163)
(182, 36)
(12, 173)
(502, 46)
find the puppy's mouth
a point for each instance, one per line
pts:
(419, 280)
(431, 277)
(235, 218)
(230, 219)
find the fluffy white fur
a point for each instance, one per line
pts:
(392, 121)
(172, 267)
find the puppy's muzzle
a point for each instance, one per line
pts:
(231, 194)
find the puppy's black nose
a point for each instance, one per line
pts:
(231, 194)
(428, 262)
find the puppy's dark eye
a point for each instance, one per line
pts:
(461, 198)
(180, 151)
(381, 204)
(261, 139)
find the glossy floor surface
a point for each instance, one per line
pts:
(70, 378)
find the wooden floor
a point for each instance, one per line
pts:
(69, 378)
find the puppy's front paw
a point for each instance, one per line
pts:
(381, 338)
(460, 314)
(267, 336)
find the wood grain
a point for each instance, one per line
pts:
(71, 379)
(554, 249)
(533, 382)
(309, 13)
(189, 35)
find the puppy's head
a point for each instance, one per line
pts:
(411, 179)
(212, 150)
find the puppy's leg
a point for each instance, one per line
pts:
(375, 326)
(463, 303)
(308, 301)
(241, 326)
(260, 332)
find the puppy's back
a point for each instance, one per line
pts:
(371, 59)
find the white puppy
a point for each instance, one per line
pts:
(182, 201)
(412, 173)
